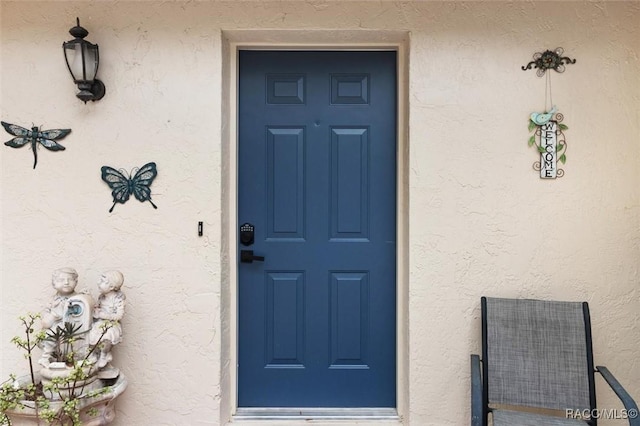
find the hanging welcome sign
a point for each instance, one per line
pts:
(547, 127)
(548, 137)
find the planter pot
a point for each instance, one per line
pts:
(95, 411)
(60, 370)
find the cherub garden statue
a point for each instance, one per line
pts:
(106, 330)
(54, 317)
(76, 384)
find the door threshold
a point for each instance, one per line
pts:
(291, 413)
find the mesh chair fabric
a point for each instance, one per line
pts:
(537, 354)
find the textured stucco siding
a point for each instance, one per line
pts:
(478, 220)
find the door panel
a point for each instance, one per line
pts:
(317, 178)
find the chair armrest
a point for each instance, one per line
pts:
(629, 404)
(477, 406)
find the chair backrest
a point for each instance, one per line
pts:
(537, 353)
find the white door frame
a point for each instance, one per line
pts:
(232, 42)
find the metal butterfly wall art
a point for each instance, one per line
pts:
(46, 138)
(137, 183)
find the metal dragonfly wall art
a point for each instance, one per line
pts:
(137, 183)
(46, 138)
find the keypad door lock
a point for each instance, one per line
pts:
(247, 234)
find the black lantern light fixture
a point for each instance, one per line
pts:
(82, 60)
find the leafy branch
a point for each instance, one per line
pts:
(68, 390)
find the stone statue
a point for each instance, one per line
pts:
(106, 330)
(67, 306)
(76, 383)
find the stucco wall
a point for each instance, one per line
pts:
(479, 220)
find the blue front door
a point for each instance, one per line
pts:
(317, 181)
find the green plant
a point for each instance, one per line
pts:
(58, 401)
(63, 338)
(31, 341)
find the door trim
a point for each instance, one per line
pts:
(232, 42)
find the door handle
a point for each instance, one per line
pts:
(247, 256)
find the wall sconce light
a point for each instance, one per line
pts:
(82, 60)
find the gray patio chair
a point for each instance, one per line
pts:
(537, 367)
